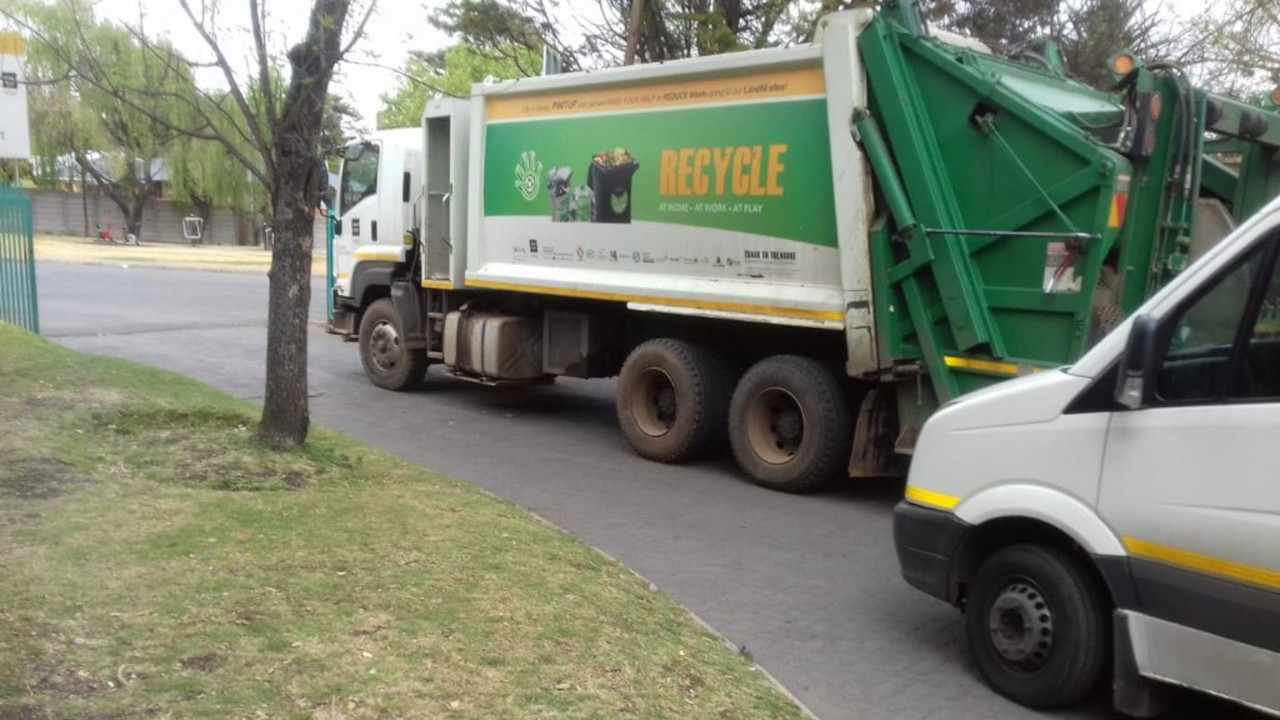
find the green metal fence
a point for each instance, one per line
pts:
(328, 264)
(18, 303)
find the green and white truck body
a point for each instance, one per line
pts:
(892, 210)
(732, 176)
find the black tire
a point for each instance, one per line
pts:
(671, 400)
(386, 361)
(790, 424)
(1047, 644)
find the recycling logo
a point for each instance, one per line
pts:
(528, 172)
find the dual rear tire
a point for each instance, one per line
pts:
(787, 419)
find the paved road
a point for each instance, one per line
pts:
(809, 585)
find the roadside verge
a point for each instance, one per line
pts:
(159, 561)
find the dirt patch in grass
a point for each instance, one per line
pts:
(207, 662)
(348, 585)
(37, 478)
(216, 449)
(21, 712)
(71, 682)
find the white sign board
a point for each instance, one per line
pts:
(15, 130)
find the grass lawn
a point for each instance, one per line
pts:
(64, 248)
(158, 562)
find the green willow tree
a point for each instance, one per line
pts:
(276, 139)
(116, 147)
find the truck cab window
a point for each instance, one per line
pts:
(1201, 363)
(359, 174)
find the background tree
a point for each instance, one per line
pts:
(115, 146)
(1087, 32)
(277, 139)
(1240, 52)
(593, 36)
(449, 72)
(202, 175)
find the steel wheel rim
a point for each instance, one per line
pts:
(654, 406)
(1020, 625)
(385, 348)
(775, 425)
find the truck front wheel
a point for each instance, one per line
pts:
(387, 362)
(672, 397)
(789, 424)
(1038, 626)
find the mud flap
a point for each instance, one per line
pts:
(874, 433)
(408, 303)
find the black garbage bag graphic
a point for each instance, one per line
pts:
(609, 177)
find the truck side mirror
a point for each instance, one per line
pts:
(1135, 383)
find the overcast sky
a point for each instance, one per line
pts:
(396, 27)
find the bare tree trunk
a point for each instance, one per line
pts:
(298, 180)
(286, 413)
(633, 31)
(133, 216)
(84, 201)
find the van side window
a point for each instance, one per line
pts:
(1258, 368)
(1215, 345)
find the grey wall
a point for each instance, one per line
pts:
(62, 213)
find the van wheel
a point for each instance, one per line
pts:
(387, 362)
(672, 399)
(789, 424)
(1038, 626)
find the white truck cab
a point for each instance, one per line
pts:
(1122, 513)
(379, 185)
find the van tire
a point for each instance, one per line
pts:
(672, 398)
(386, 361)
(790, 425)
(1054, 629)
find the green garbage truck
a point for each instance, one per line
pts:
(803, 250)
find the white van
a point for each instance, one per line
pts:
(1121, 515)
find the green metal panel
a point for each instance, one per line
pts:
(18, 301)
(987, 169)
(981, 183)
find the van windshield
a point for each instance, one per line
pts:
(359, 174)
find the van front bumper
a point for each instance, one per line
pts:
(927, 541)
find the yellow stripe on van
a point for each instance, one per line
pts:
(656, 95)
(1265, 578)
(740, 308)
(941, 501)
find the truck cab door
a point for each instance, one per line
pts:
(357, 208)
(1190, 480)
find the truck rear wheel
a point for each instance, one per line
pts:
(789, 424)
(387, 362)
(672, 398)
(1038, 626)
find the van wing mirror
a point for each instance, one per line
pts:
(1135, 383)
